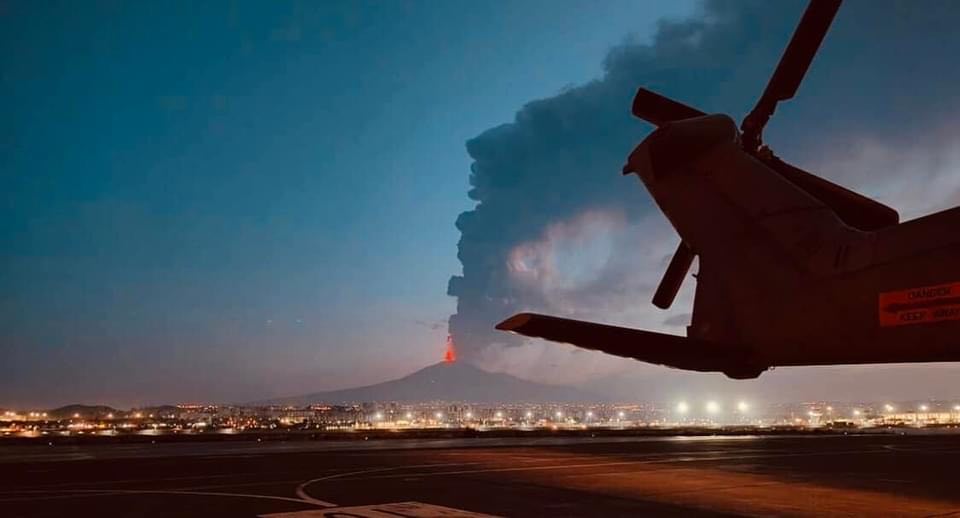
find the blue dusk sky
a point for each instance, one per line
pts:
(233, 200)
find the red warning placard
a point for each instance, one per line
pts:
(920, 305)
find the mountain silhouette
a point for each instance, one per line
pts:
(448, 381)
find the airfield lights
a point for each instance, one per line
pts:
(743, 407)
(712, 407)
(683, 407)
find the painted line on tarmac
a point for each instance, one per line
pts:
(302, 493)
(110, 492)
(135, 480)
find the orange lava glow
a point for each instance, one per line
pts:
(450, 355)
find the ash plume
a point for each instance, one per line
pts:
(557, 228)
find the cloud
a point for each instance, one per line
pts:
(557, 228)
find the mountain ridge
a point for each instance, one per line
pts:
(447, 381)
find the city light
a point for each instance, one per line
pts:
(199, 418)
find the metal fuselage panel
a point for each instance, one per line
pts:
(779, 271)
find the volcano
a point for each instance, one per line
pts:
(453, 381)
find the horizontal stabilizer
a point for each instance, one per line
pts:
(662, 349)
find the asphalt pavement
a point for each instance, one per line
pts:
(804, 475)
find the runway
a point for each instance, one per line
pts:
(837, 475)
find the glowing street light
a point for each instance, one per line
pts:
(589, 414)
(856, 412)
(439, 415)
(528, 415)
(888, 407)
(499, 414)
(956, 408)
(469, 415)
(409, 416)
(378, 416)
(924, 408)
(620, 414)
(743, 407)
(683, 407)
(712, 407)
(559, 414)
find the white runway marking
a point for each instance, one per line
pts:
(301, 489)
(140, 480)
(107, 492)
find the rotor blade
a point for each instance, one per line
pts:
(673, 277)
(802, 48)
(792, 67)
(659, 110)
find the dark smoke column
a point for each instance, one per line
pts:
(558, 159)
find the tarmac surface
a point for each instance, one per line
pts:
(834, 475)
